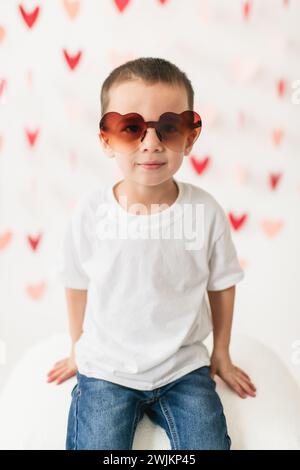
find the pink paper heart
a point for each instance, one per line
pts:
(208, 114)
(3, 87)
(116, 58)
(277, 136)
(74, 110)
(5, 239)
(2, 33)
(206, 12)
(36, 291)
(72, 7)
(245, 69)
(241, 173)
(243, 262)
(73, 159)
(71, 204)
(271, 227)
(30, 77)
(277, 41)
(241, 119)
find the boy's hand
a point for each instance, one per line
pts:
(235, 377)
(63, 370)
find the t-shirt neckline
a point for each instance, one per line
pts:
(165, 216)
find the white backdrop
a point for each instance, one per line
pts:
(243, 61)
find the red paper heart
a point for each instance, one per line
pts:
(162, 1)
(32, 136)
(281, 88)
(29, 18)
(274, 179)
(121, 4)
(237, 222)
(200, 166)
(72, 61)
(34, 242)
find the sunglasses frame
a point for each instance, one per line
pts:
(154, 124)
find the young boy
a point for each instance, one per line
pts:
(136, 285)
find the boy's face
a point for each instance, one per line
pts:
(150, 101)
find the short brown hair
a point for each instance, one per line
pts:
(149, 69)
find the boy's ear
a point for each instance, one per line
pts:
(189, 143)
(187, 151)
(105, 145)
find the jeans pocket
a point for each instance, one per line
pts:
(229, 441)
(75, 390)
(206, 370)
(226, 430)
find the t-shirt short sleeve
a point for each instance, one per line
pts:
(69, 269)
(224, 267)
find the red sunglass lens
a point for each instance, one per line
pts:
(125, 132)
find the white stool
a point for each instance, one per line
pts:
(34, 413)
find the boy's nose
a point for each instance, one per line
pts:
(151, 140)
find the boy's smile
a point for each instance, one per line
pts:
(148, 171)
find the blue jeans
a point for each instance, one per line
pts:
(104, 415)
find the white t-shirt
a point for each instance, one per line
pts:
(147, 310)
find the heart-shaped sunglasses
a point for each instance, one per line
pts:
(124, 132)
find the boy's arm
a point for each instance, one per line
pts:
(222, 303)
(76, 303)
